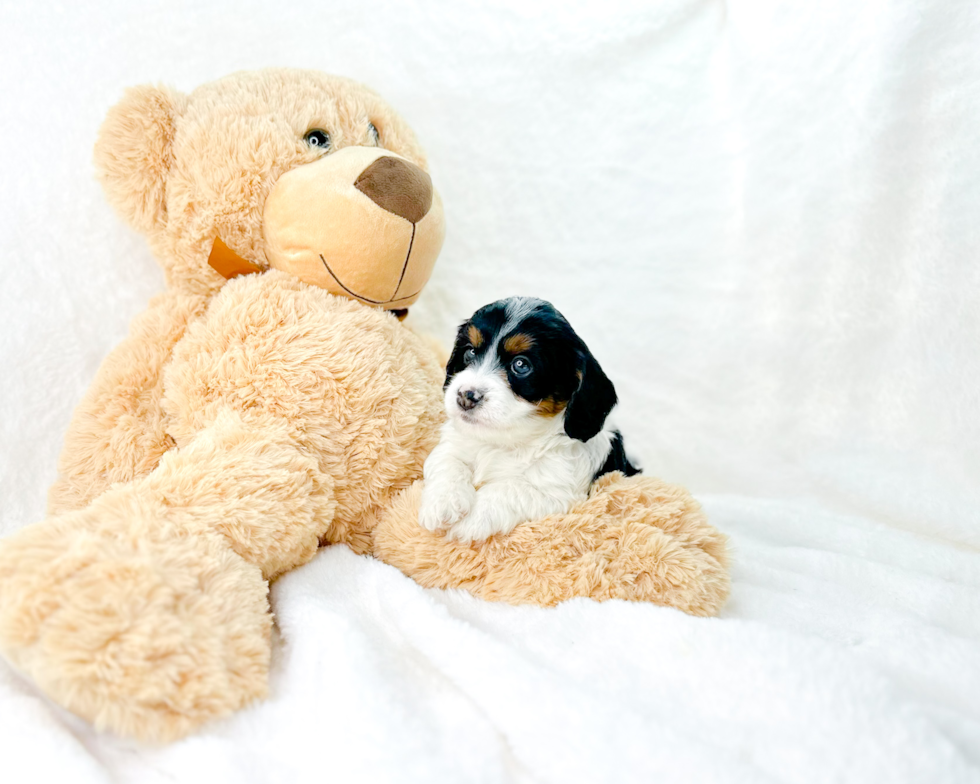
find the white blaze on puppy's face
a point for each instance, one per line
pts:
(481, 397)
(480, 393)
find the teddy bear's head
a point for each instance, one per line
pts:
(291, 169)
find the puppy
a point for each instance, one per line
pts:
(526, 436)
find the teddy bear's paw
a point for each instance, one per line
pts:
(130, 626)
(444, 505)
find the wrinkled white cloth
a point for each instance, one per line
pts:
(761, 216)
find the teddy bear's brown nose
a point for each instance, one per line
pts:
(397, 186)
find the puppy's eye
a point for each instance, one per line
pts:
(468, 356)
(373, 135)
(521, 367)
(318, 139)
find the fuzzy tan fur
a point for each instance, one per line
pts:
(242, 424)
(638, 539)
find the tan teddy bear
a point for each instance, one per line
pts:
(245, 422)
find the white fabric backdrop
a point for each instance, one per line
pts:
(764, 219)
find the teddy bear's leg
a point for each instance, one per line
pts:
(250, 483)
(117, 432)
(635, 538)
(147, 612)
(132, 623)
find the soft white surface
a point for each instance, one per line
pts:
(762, 216)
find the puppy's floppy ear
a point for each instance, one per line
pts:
(134, 154)
(456, 363)
(591, 402)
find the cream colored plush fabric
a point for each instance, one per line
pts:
(244, 423)
(638, 539)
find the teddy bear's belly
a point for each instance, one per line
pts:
(346, 384)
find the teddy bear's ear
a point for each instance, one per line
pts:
(134, 153)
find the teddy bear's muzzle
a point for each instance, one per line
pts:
(361, 222)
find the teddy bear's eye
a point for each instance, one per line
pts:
(317, 138)
(373, 135)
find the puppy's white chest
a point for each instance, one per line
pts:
(555, 465)
(495, 464)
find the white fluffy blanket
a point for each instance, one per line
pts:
(763, 218)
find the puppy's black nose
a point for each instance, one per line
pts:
(468, 399)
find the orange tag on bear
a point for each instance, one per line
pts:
(229, 264)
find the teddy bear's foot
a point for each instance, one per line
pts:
(147, 612)
(635, 538)
(131, 623)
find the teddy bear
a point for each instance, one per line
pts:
(272, 401)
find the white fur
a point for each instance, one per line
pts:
(502, 463)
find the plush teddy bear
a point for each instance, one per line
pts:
(271, 401)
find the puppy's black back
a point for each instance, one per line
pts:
(617, 460)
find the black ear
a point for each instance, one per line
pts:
(591, 402)
(456, 363)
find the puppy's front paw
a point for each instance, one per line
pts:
(478, 525)
(445, 505)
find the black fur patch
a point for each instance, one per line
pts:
(489, 319)
(617, 459)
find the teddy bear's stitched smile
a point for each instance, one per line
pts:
(394, 298)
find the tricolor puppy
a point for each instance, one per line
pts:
(526, 434)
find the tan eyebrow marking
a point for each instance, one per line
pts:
(515, 344)
(476, 337)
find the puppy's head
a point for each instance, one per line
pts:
(517, 365)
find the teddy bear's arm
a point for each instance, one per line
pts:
(635, 538)
(118, 432)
